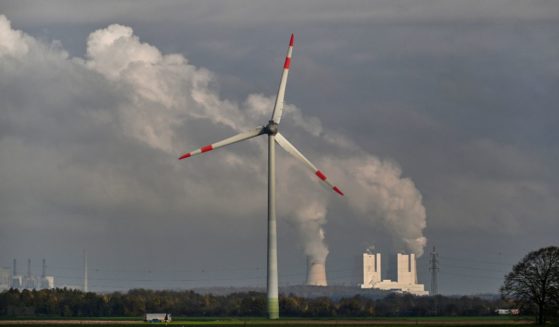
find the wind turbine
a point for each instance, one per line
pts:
(271, 129)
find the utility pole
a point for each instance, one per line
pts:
(434, 269)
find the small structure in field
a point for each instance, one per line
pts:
(507, 312)
(157, 317)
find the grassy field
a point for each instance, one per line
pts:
(205, 321)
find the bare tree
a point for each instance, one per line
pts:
(534, 282)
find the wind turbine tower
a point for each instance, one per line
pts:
(272, 130)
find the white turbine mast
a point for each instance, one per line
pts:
(271, 129)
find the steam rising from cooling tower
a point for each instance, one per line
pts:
(380, 196)
(309, 218)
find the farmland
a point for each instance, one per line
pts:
(207, 321)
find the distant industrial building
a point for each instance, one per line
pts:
(17, 280)
(5, 279)
(29, 281)
(406, 274)
(46, 282)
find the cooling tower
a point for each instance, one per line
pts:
(316, 273)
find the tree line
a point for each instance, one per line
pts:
(135, 303)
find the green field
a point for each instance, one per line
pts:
(206, 321)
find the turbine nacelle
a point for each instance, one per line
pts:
(272, 128)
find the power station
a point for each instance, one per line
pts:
(374, 275)
(11, 279)
(406, 274)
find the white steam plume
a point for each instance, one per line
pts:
(155, 100)
(309, 220)
(379, 195)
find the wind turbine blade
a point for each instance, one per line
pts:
(278, 107)
(287, 146)
(233, 139)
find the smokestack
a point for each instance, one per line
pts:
(28, 268)
(316, 273)
(44, 268)
(84, 271)
(15, 268)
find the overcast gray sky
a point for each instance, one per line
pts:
(438, 118)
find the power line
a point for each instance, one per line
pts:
(482, 277)
(474, 268)
(478, 261)
(254, 275)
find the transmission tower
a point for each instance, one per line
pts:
(85, 279)
(434, 269)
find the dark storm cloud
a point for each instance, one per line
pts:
(460, 94)
(242, 13)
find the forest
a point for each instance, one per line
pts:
(137, 302)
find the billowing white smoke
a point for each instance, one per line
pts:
(310, 219)
(156, 101)
(378, 194)
(161, 86)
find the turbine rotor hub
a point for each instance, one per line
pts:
(272, 128)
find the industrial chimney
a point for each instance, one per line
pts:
(85, 279)
(316, 273)
(44, 274)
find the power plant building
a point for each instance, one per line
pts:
(29, 281)
(406, 274)
(17, 280)
(46, 282)
(5, 279)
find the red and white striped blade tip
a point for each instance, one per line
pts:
(291, 40)
(184, 156)
(323, 177)
(337, 190)
(203, 149)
